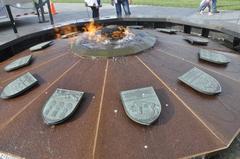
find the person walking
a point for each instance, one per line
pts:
(203, 5)
(122, 3)
(214, 6)
(94, 5)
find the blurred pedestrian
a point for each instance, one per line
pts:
(94, 5)
(203, 5)
(122, 3)
(214, 6)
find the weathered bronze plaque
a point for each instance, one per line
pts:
(196, 40)
(213, 56)
(135, 26)
(41, 46)
(141, 105)
(21, 62)
(201, 81)
(61, 105)
(18, 86)
(9, 156)
(169, 31)
(69, 35)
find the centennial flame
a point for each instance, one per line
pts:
(98, 33)
(120, 33)
(92, 29)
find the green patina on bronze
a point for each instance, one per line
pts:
(18, 86)
(213, 56)
(21, 62)
(169, 31)
(41, 46)
(141, 105)
(61, 105)
(201, 81)
(196, 40)
(135, 26)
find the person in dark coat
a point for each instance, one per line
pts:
(94, 5)
(122, 3)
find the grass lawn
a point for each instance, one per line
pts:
(222, 4)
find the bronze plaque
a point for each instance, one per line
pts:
(213, 56)
(196, 40)
(41, 46)
(135, 26)
(21, 62)
(61, 105)
(18, 86)
(141, 105)
(169, 31)
(201, 81)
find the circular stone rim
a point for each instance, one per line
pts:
(148, 41)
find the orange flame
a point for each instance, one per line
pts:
(92, 29)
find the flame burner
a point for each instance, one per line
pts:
(111, 41)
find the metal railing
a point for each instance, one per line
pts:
(35, 5)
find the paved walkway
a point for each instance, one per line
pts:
(72, 12)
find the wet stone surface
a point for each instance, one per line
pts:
(213, 56)
(134, 42)
(141, 105)
(18, 86)
(21, 62)
(201, 81)
(61, 105)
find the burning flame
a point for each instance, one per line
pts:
(94, 33)
(92, 30)
(122, 32)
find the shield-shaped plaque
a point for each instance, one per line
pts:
(196, 40)
(41, 46)
(21, 62)
(18, 86)
(135, 26)
(141, 105)
(61, 105)
(69, 35)
(168, 31)
(201, 81)
(213, 56)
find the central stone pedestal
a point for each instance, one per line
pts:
(106, 44)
